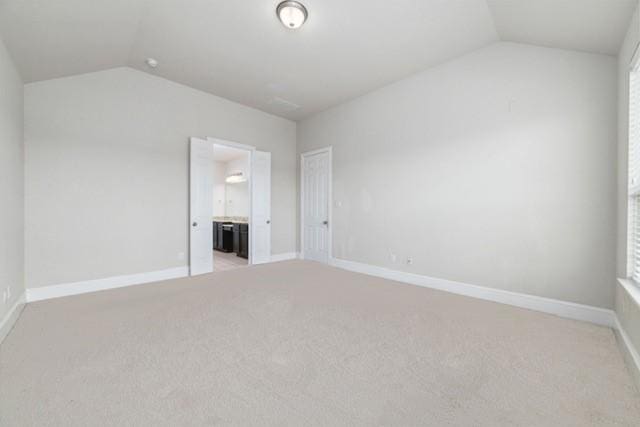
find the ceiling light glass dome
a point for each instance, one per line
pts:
(292, 14)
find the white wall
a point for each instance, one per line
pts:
(237, 195)
(495, 169)
(219, 188)
(11, 184)
(107, 172)
(231, 199)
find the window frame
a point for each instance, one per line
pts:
(633, 171)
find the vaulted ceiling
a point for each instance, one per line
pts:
(240, 51)
(596, 26)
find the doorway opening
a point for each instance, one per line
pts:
(231, 207)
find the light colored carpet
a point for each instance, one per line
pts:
(297, 343)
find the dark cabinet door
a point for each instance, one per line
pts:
(244, 241)
(215, 234)
(236, 238)
(220, 237)
(225, 237)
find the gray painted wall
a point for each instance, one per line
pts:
(11, 182)
(107, 172)
(496, 169)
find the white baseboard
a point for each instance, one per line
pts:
(86, 286)
(629, 351)
(56, 291)
(284, 257)
(560, 308)
(11, 317)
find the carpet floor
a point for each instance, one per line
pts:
(298, 343)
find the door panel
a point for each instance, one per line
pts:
(315, 206)
(261, 207)
(201, 202)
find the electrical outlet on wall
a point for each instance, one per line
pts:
(409, 261)
(393, 257)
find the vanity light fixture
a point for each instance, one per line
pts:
(235, 178)
(292, 14)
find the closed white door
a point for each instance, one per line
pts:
(261, 208)
(201, 207)
(315, 205)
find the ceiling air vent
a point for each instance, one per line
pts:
(283, 105)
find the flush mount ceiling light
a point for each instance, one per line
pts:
(292, 14)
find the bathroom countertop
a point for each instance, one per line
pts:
(231, 219)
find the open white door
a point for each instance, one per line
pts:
(201, 203)
(261, 208)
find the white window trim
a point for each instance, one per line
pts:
(633, 180)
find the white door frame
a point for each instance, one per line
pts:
(329, 151)
(251, 149)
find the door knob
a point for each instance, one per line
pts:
(325, 222)
(268, 221)
(195, 224)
